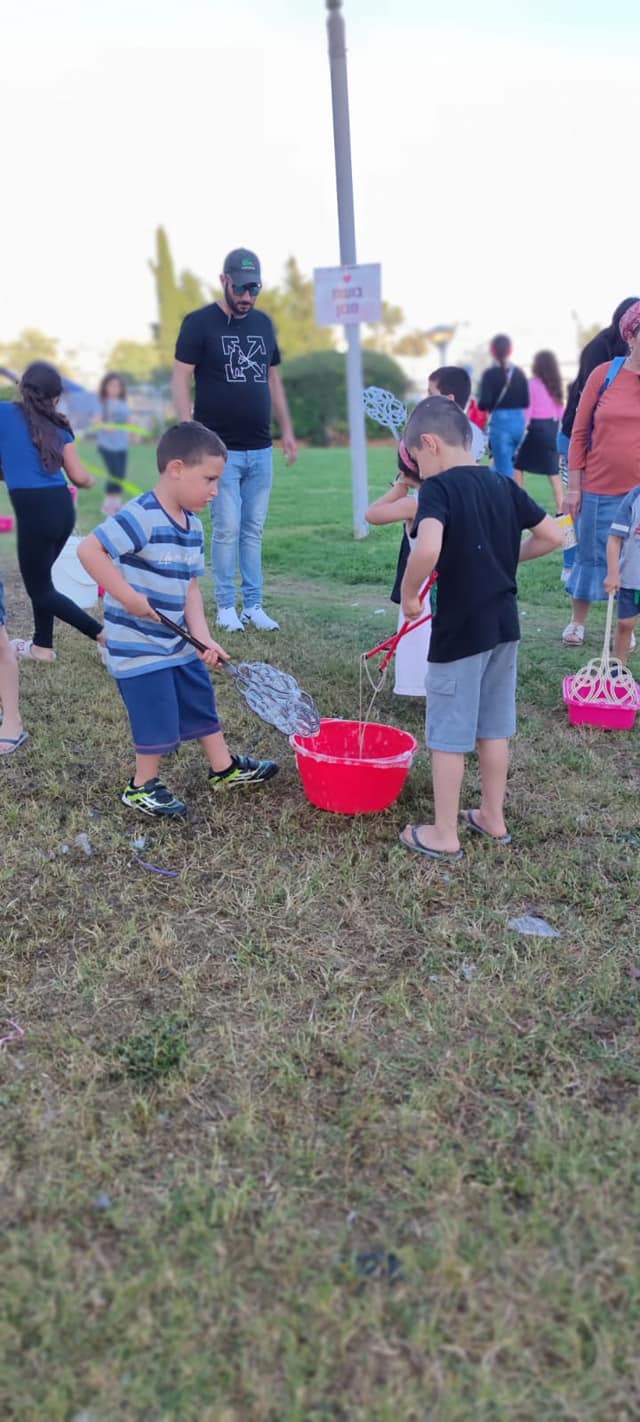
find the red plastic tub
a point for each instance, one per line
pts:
(6, 525)
(593, 713)
(336, 777)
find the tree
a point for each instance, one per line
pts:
(292, 309)
(136, 360)
(168, 322)
(413, 343)
(29, 345)
(191, 294)
(584, 334)
(317, 391)
(587, 333)
(175, 298)
(382, 335)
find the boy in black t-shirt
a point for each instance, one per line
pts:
(469, 526)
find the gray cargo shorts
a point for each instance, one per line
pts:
(472, 699)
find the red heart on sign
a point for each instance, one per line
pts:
(347, 276)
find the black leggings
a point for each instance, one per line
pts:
(45, 519)
(116, 462)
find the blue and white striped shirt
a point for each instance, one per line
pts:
(158, 558)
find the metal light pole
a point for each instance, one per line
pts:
(347, 229)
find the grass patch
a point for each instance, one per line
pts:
(307, 1132)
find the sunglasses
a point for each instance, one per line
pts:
(250, 288)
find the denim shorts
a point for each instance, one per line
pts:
(628, 602)
(169, 706)
(3, 614)
(597, 513)
(472, 699)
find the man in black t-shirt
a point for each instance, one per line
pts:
(232, 352)
(469, 527)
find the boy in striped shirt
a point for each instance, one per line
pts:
(150, 555)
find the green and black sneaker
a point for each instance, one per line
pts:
(153, 798)
(242, 772)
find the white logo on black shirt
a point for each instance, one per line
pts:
(239, 361)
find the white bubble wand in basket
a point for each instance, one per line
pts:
(605, 680)
(386, 409)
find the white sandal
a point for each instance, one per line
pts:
(573, 635)
(24, 650)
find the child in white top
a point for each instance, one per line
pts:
(399, 505)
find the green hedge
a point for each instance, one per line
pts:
(316, 388)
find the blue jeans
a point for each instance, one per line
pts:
(239, 513)
(506, 434)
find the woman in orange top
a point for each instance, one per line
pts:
(604, 464)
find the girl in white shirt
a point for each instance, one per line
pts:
(400, 505)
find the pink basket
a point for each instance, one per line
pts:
(598, 713)
(6, 525)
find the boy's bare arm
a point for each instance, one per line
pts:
(196, 620)
(612, 580)
(420, 565)
(546, 537)
(103, 570)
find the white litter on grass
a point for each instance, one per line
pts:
(379, 611)
(468, 971)
(81, 841)
(533, 927)
(138, 841)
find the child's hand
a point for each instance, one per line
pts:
(213, 655)
(612, 583)
(411, 608)
(137, 605)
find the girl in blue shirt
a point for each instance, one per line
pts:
(36, 451)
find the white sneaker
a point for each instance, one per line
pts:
(260, 619)
(228, 620)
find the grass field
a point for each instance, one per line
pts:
(307, 1133)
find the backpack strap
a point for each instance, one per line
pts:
(614, 368)
(507, 382)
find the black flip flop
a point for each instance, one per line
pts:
(472, 824)
(419, 848)
(15, 744)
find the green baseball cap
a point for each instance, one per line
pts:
(242, 266)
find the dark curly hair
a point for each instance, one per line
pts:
(40, 387)
(546, 368)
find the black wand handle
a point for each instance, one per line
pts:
(181, 631)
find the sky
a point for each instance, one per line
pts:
(493, 158)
